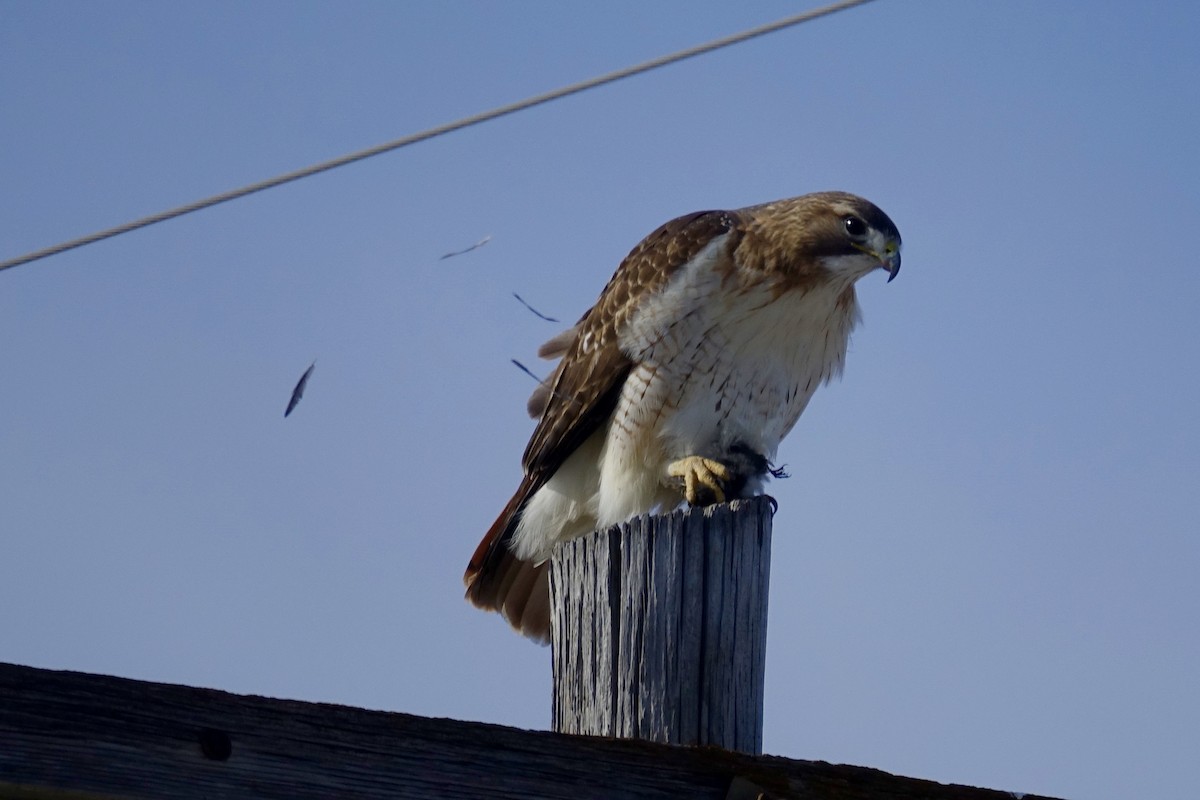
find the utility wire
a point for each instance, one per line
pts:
(466, 122)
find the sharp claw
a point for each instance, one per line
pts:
(703, 471)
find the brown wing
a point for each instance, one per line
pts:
(588, 381)
(582, 394)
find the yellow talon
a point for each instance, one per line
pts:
(703, 471)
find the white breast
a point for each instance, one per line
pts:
(717, 365)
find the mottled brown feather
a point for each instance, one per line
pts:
(589, 378)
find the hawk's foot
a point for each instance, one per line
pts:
(703, 479)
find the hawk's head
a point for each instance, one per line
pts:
(821, 236)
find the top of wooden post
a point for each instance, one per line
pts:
(658, 627)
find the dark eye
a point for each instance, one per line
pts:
(855, 227)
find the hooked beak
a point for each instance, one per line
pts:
(891, 262)
(889, 259)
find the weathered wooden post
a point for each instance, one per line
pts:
(659, 628)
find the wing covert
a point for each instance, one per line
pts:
(587, 383)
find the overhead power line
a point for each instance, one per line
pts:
(466, 122)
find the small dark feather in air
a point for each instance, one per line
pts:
(475, 246)
(534, 310)
(526, 370)
(298, 392)
(543, 382)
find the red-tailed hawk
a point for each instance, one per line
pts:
(683, 378)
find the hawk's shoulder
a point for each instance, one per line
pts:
(584, 388)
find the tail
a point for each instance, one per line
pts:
(498, 581)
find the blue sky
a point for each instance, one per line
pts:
(985, 561)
